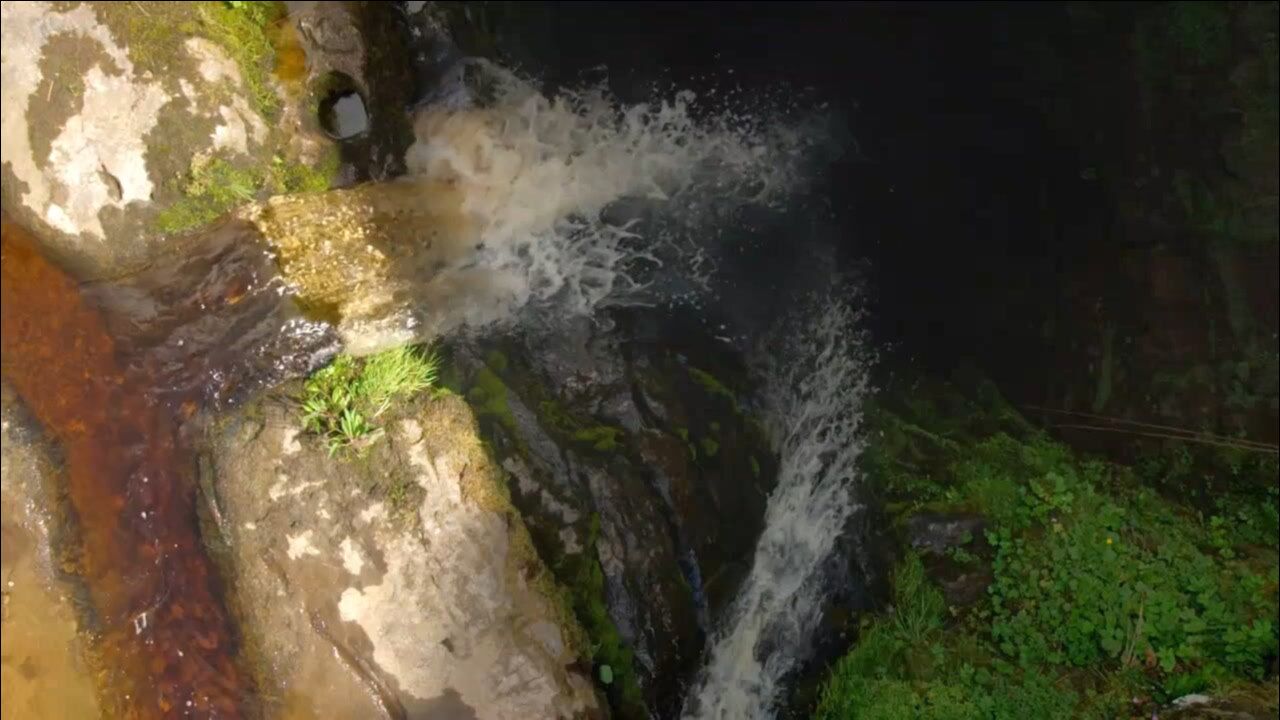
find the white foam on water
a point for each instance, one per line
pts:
(816, 380)
(577, 200)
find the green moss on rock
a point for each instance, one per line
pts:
(602, 437)
(713, 386)
(244, 32)
(582, 574)
(489, 396)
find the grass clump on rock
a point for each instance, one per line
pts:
(343, 401)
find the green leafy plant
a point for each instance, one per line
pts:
(1103, 589)
(1089, 579)
(341, 401)
(903, 667)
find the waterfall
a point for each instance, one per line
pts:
(576, 200)
(572, 197)
(814, 389)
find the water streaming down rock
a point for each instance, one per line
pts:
(521, 206)
(816, 377)
(213, 323)
(163, 633)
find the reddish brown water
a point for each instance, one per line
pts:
(113, 375)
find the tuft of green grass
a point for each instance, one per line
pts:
(399, 372)
(918, 606)
(341, 401)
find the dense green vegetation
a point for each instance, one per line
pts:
(1105, 597)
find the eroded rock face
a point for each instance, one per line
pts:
(364, 48)
(401, 582)
(644, 482)
(108, 110)
(42, 666)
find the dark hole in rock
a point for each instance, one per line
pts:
(343, 113)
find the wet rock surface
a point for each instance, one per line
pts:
(1251, 703)
(399, 583)
(635, 465)
(356, 67)
(43, 670)
(953, 547)
(935, 533)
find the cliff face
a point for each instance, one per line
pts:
(1167, 309)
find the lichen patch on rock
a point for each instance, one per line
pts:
(98, 159)
(125, 126)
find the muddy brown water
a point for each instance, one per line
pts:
(117, 374)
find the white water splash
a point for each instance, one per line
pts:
(543, 180)
(815, 392)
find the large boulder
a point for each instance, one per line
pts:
(400, 581)
(125, 125)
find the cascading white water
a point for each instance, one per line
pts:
(573, 198)
(815, 390)
(570, 199)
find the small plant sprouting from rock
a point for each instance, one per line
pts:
(343, 401)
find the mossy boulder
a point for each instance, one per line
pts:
(128, 124)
